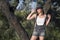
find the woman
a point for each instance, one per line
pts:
(39, 29)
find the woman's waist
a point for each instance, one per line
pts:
(39, 27)
(40, 24)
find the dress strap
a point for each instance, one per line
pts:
(35, 20)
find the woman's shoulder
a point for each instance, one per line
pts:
(48, 15)
(44, 14)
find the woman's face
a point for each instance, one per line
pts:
(39, 11)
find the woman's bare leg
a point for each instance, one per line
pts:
(33, 38)
(41, 37)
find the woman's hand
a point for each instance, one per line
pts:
(32, 11)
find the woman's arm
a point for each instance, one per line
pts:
(31, 15)
(48, 20)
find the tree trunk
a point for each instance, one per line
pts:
(13, 20)
(47, 6)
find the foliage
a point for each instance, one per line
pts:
(8, 33)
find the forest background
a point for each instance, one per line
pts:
(14, 26)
